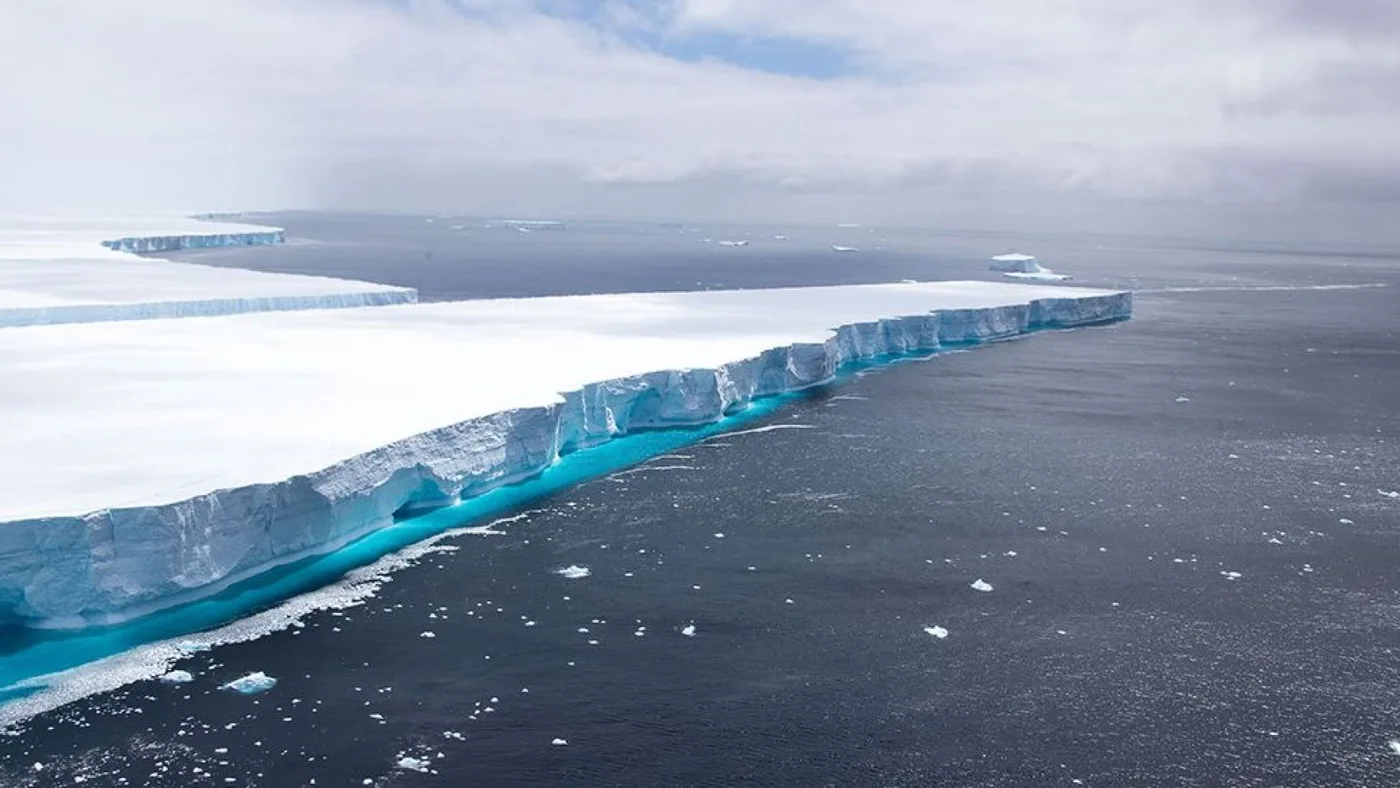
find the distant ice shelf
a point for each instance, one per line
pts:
(59, 270)
(153, 462)
(171, 243)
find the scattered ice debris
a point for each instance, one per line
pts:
(428, 634)
(1182, 399)
(981, 585)
(251, 684)
(734, 243)
(936, 631)
(412, 764)
(177, 677)
(1231, 575)
(688, 630)
(574, 572)
(560, 742)
(1390, 493)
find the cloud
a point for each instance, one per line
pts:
(786, 108)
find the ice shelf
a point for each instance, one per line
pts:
(82, 270)
(150, 462)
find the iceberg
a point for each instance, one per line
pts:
(80, 271)
(151, 463)
(1024, 267)
(251, 684)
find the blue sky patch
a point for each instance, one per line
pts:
(775, 55)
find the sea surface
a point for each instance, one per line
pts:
(1163, 552)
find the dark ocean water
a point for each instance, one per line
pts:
(1193, 561)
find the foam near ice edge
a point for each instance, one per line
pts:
(58, 571)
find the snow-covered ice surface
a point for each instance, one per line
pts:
(152, 462)
(73, 271)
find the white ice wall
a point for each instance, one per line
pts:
(55, 271)
(121, 561)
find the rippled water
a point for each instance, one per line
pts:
(1184, 521)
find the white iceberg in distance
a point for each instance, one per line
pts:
(981, 585)
(838, 248)
(177, 677)
(574, 572)
(1024, 266)
(936, 631)
(251, 684)
(733, 243)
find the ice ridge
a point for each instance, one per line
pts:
(116, 564)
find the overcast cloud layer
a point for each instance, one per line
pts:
(930, 111)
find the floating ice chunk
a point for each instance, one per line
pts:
(1394, 746)
(838, 248)
(1231, 575)
(1182, 399)
(981, 585)
(1345, 521)
(688, 630)
(1390, 493)
(733, 243)
(251, 684)
(412, 764)
(177, 677)
(427, 634)
(560, 742)
(574, 572)
(1024, 266)
(937, 631)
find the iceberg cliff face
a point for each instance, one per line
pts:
(171, 243)
(54, 272)
(120, 562)
(204, 307)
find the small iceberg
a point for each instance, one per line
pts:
(176, 677)
(981, 585)
(936, 631)
(251, 684)
(409, 763)
(574, 572)
(1024, 266)
(837, 248)
(733, 243)
(688, 630)
(560, 742)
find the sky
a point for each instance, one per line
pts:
(1147, 115)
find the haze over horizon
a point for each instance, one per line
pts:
(1258, 117)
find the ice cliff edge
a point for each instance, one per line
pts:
(204, 240)
(117, 563)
